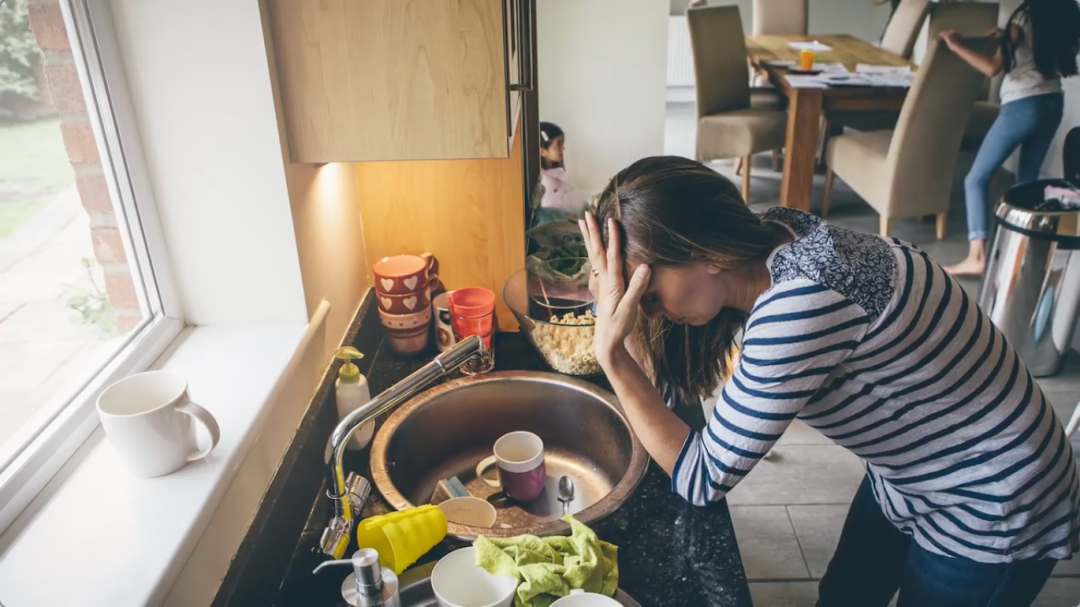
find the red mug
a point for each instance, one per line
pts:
(408, 303)
(404, 274)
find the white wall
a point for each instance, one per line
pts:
(602, 78)
(856, 17)
(200, 84)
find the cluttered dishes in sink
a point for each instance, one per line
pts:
(445, 432)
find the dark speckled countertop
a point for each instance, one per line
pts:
(670, 553)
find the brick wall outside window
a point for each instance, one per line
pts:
(62, 78)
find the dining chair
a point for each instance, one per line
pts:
(904, 26)
(971, 20)
(729, 125)
(782, 17)
(908, 172)
(777, 17)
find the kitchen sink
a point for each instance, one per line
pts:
(448, 429)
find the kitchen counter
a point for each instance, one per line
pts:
(670, 553)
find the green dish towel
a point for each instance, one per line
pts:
(548, 568)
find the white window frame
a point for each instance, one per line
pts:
(44, 448)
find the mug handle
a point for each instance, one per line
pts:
(203, 417)
(482, 467)
(432, 271)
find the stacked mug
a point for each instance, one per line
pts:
(403, 285)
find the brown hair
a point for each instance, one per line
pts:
(672, 211)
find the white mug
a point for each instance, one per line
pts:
(147, 417)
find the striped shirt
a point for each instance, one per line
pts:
(870, 342)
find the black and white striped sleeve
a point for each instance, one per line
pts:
(795, 337)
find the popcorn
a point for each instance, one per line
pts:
(566, 343)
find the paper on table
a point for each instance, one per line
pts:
(866, 68)
(898, 80)
(806, 82)
(810, 45)
(830, 67)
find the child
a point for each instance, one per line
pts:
(559, 193)
(1038, 48)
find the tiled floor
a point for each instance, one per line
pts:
(788, 513)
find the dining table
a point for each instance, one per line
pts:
(767, 55)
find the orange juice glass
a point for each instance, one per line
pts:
(806, 60)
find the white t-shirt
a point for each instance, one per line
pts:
(1024, 79)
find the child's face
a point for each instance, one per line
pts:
(553, 153)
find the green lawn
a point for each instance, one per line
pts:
(35, 168)
(33, 153)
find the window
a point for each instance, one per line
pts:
(83, 291)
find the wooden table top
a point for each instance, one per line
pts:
(846, 49)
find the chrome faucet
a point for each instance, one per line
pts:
(348, 501)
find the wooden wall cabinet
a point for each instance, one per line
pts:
(470, 214)
(364, 80)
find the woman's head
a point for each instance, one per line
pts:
(552, 143)
(1055, 36)
(691, 226)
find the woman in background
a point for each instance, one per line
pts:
(1038, 48)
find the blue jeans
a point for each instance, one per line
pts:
(873, 559)
(1029, 123)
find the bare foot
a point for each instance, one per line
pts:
(970, 266)
(975, 263)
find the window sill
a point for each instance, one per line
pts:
(98, 535)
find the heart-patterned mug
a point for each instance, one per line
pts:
(405, 274)
(404, 304)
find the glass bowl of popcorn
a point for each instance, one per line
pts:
(559, 324)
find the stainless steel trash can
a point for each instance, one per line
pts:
(1031, 289)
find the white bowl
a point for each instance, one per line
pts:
(458, 582)
(469, 510)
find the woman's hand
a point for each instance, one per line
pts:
(616, 302)
(994, 33)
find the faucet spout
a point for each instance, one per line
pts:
(393, 397)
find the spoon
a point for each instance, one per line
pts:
(566, 491)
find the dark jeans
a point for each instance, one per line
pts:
(874, 559)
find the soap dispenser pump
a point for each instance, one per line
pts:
(369, 585)
(350, 393)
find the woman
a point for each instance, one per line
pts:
(1039, 46)
(971, 492)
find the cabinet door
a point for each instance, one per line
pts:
(392, 79)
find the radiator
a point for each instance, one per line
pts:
(680, 60)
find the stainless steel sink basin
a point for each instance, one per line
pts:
(447, 430)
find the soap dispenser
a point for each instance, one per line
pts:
(369, 585)
(350, 393)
